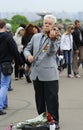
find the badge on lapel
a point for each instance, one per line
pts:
(45, 48)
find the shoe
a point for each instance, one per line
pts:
(16, 78)
(70, 76)
(5, 107)
(10, 89)
(28, 79)
(2, 112)
(57, 127)
(21, 78)
(77, 75)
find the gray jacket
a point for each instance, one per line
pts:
(44, 67)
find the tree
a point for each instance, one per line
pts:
(6, 20)
(17, 20)
(59, 20)
(67, 21)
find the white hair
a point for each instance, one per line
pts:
(52, 17)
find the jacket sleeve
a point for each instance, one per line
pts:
(14, 50)
(76, 40)
(28, 50)
(62, 42)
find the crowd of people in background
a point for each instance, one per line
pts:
(69, 55)
(70, 49)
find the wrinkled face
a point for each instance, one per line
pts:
(48, 24)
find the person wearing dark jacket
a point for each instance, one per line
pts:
(8, 50)
(77, 47)
(9, 30)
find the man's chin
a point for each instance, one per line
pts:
(47, 31)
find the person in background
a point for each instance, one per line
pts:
(29, 32)
(44, 71)
(9, 30)
(8, 50)
(61, 28)
(40, 26)
(77, 48)
(66, 48)
(36, 29)
(18, 39)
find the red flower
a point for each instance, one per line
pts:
(50, 118)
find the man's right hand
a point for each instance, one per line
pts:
(30, 59)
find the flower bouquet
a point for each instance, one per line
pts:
(44, 119)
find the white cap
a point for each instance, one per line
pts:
(8, 26)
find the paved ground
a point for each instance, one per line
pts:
(22, 103)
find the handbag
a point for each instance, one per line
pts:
(7, 68)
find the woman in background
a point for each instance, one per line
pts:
(30, 30)
(66, 48)
(18, 38)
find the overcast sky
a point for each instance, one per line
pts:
(41, 5)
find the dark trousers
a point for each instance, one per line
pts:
(46, 96)
(18, 72)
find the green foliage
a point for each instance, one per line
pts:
(59, 20)
(18, 20)
(6, 20)
(67, 21)
(14, 27)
